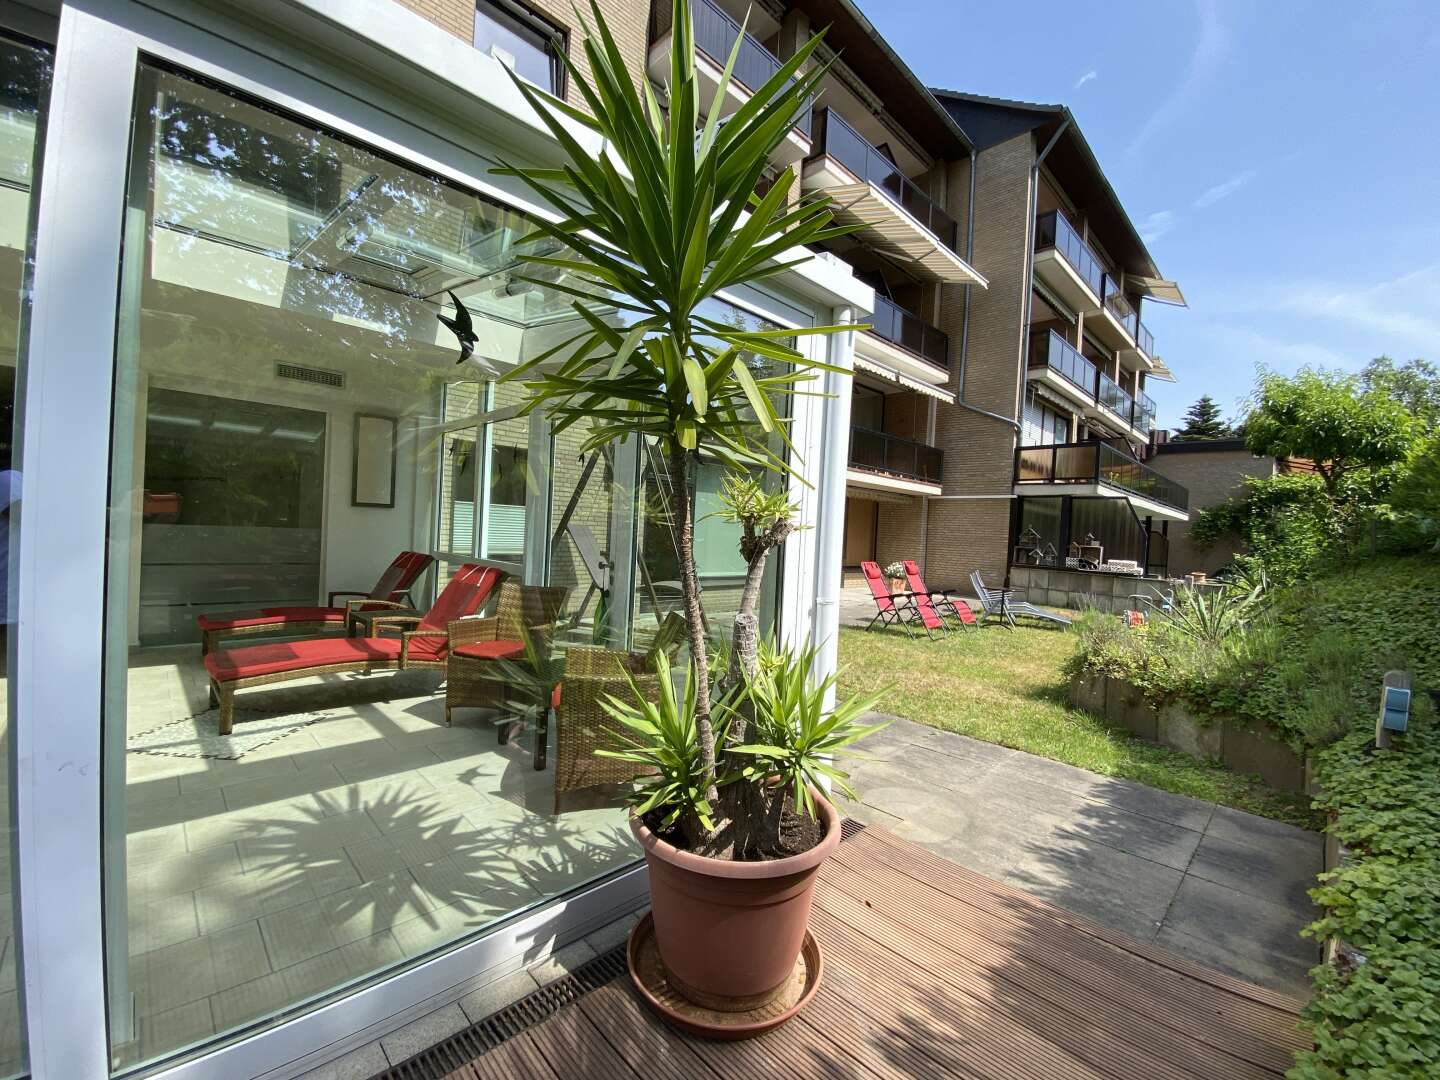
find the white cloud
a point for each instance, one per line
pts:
(1224, 190)
(1157, 225)
(1400, 309)
(1211, 47)
(1089, 76)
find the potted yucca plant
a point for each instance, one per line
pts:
(733, 823)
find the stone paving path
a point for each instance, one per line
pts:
(1225, 888)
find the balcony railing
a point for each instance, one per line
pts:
(879, 451)
(900, 327)
(1097, 463)
(1120, 307)
(1053, 231)
(715, 35)
(1144, 418)
(1112, 396)
(1050, 350)
(1145, 340)
(835, 138)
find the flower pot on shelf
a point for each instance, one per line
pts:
(729, 933)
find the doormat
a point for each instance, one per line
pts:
(199, 736)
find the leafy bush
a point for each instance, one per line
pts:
(1380, 1016)
(1309, 663)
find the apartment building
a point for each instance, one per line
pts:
(1045, 448)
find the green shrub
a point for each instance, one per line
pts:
(1379, 1017)
(1309, 665)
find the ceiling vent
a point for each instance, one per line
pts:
(314, 376)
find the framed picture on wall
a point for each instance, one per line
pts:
(372, 480)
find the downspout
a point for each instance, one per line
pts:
(830, 514)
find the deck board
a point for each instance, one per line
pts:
(935, 971)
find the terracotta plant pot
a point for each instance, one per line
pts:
(729, 932)
(897, 585)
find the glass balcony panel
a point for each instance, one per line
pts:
(715, 35)
(1052, 351)
(900, 327)
(1121, 308)
(879, 451)
(1114, 398)
(837, 139)
(1053, 231)
(1096, 463)
(1144, 339)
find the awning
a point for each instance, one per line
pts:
(937, 392)
(1159, 371)
(888, 227)
(1158, 289)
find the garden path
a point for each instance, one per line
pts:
(1225, 888)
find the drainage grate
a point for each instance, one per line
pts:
(443, 1059)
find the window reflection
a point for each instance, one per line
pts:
(304, 781)
(25, 74)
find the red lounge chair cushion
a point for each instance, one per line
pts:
(270, 616)
(227, 665)
(491, 650)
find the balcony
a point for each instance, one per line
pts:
(880, 456)
(893, 213)
(1115, 324)
(1054, 361)
(1067, 265)
(715, 36)
(1115, 398)
(1098, 469)
(905, 345)
(1144, 415)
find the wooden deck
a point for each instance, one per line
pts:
(934, 971)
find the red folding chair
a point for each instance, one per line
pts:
(944, 601)
(900, 609)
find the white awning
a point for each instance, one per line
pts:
(887, 226)
(1158, 289)
(937, 392)
(1159, 371)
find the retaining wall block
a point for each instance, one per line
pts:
(1262, 751)
(1181, 731)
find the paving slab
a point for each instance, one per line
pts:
(1223, 887)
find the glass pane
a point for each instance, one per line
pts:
(25, 73)
(298, 797)
(499, 32)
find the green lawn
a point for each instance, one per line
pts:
(1007, 687)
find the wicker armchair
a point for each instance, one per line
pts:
(582, 725)
(471, 680)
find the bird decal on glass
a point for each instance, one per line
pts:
(462, 327)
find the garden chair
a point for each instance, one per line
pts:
(947, 604)
(393, 586)
(1001, 604)
(424, 642)
(475, 678)
(900, 609)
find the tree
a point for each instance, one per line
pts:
(1203, 421)
(1330, 419)
(1415, 384)
(653, 228)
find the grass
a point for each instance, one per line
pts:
(1007, 687)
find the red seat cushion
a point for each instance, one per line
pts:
(225, 665)
(272, 616)
(491, 650)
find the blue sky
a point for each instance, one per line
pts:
(1282, 160)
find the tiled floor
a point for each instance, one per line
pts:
(369, 836)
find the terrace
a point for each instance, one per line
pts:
(1098, 469)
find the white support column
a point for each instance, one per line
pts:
(58, 692)
(829, 482)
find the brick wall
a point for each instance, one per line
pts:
(1212, 477)
(628, 22)
(969, 534)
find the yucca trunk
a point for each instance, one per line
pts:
(694, 619)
